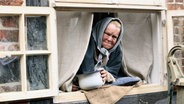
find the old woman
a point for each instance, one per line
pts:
(103, 51)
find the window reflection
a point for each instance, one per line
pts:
(37, 72)
(10, 74)
(40, 3)
(36, 33)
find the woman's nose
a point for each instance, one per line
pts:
(109, 38)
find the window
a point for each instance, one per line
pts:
(28, 51)
(29, 42)
(175, 23)
(127, 12)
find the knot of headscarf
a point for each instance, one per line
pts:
(102, 59)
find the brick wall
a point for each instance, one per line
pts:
(9, 33)
(11, 2)
(9, 28)
(178, 32)
(175, 4)
(178, 28)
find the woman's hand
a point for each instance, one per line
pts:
(104, 74)
(75, 87)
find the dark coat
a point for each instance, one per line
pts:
(113, 55)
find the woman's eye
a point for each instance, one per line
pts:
(114, 37)
(107, 33)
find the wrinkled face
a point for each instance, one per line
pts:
(110, 36)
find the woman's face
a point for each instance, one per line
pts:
(110, 36)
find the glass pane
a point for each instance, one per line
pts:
(178, 32)
(37, 72)
(36, 33)
(178, 27)
(10, 74)
(40, 3)
(9, 33)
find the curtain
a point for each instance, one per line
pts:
(137, 44)
(74, 30)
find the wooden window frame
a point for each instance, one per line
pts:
(78, 97)
(142, 2)
(51, 22)
(50, 14)
(106, 5)
(72, 5)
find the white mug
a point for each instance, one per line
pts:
(90, 81)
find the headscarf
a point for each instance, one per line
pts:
(97, 34)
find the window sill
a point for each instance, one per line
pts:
(77, 96)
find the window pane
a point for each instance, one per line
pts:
(36, 33)
(9, 33)
(10, 74)
(41, 3)
(37, 72)
(178, 32)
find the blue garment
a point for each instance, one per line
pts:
(126, 81)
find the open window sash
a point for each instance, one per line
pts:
(32, 56)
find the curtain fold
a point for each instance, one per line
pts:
(137, 44)
(74, 30)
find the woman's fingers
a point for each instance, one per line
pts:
(75, 87)
(104, 75)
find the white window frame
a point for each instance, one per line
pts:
(50, 14)
(109, 6)
(78, 97)
(135, 2)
